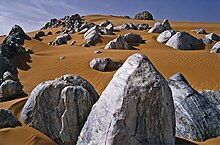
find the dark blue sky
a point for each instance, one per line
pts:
(32, 14)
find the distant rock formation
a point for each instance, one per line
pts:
(7, 119)
(145, 15)
(216, 48)
(135, 108)
(185, 41)
(197, 118)
(39, 34)
(104, 64)
(61, 39)
(59, 108)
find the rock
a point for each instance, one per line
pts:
(213, 96)
(213, 36)
(9, 76)
(118, 43)
(57, 32)
(207, 41)
(215, 48)
(165, 36)
(59, 108)
(166, 24)
(132, 38)
(83, 31)
(200, 31)
(145, 15)
(91, 36)
(97, 51)
(135, 108)
(104, 64)
(7, 119)
(16, 30)
(49, 33)
(185, 41)
(157, 28)
(62, 39)
(9, 90)
(122, 27)
(29, 51)
(142, 26)
(6, 65)
(105, 23)
(110, 27)
(196, 117)
(62, 57)
(73, 42)
(105, 31)
(40, 34)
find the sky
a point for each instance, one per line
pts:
(33, 14)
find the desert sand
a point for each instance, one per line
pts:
(200, 67)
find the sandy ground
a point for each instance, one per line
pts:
(201, 68)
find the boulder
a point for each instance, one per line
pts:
(124, 26)
(213, 36)
(105, 23)
(200, 31)
(73, 42)
(91, 36)
(49, 33)
(185, 41)
(118, 43)
(166, 24)
(10, 89)
(61, 39)
(145, 15)
(142, 26)
(157, 28)
(196, 117)
(40, 34)
(9, 76)
(59, 108)
(135, 108)
(165, 36)
(16, 30)
(7, 119)
(132, 38)
(207, 41)
(6, 65)
(97, 51)
(215, 48)
(104, 64)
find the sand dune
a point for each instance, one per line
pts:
(201, 68)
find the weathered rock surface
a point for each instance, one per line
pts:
(132, 38)
(165, 36)
(105, 23)
(124, 26)
(215, 48)
(39, 34)
(7, 119)
(213, 96)
(207, 41)
(135, 108)
(157, 28)
(59, 108)
(213, 36)
(145, 15)
(118, 43)
(104, 64)
(196, 117)
(91, 36)
(6, 65)
(185, 41)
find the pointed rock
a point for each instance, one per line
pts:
(135, 108)
(118, 43)
(157, 28)
(166, 24)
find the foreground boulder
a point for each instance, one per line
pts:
(104, 64)
(132, 38)
(59, 108)
(135, 108)
(215, 48)
(165, 36)
(196, 117)
(7, 119)
(91, 36)
(118, 43)
(145, 15)
(185, 41)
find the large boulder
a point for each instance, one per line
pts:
(157, 28)
(118, 43)
(196, 117)
(213, 36)
(132, 38)
(10, 89)
(6, 65)
(135, 108)
(145, 15)
(104, 64)
(7, 119)
(185, 41)
(166, 24)
(91, 36)
(59, 108)
(215, 48)
(165, 36)
(105, 23)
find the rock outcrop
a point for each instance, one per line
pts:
(145, 15)
(165, 36)
(132, 38)
(196, 117)
(59, 108)
(7, 119)
(166, 24)
(91, 36)
(185, 41)
(135, 108)
(215, 48)
(118, 43)
(104, 64)
(213, 36)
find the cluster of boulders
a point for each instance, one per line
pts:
(127, 26)
(159, 28)
(61, 39)
(145, 15)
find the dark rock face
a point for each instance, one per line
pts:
(185, 41)
(157, 28)
(104, 64)
(133, 38)
(62, 39)
(145, 15)
(6, 65)
(7, 119)
(213, 96)
(207, 41)
(59, 108)
(91, 36)
(135, 108)
(215, 48)
(197, 118)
